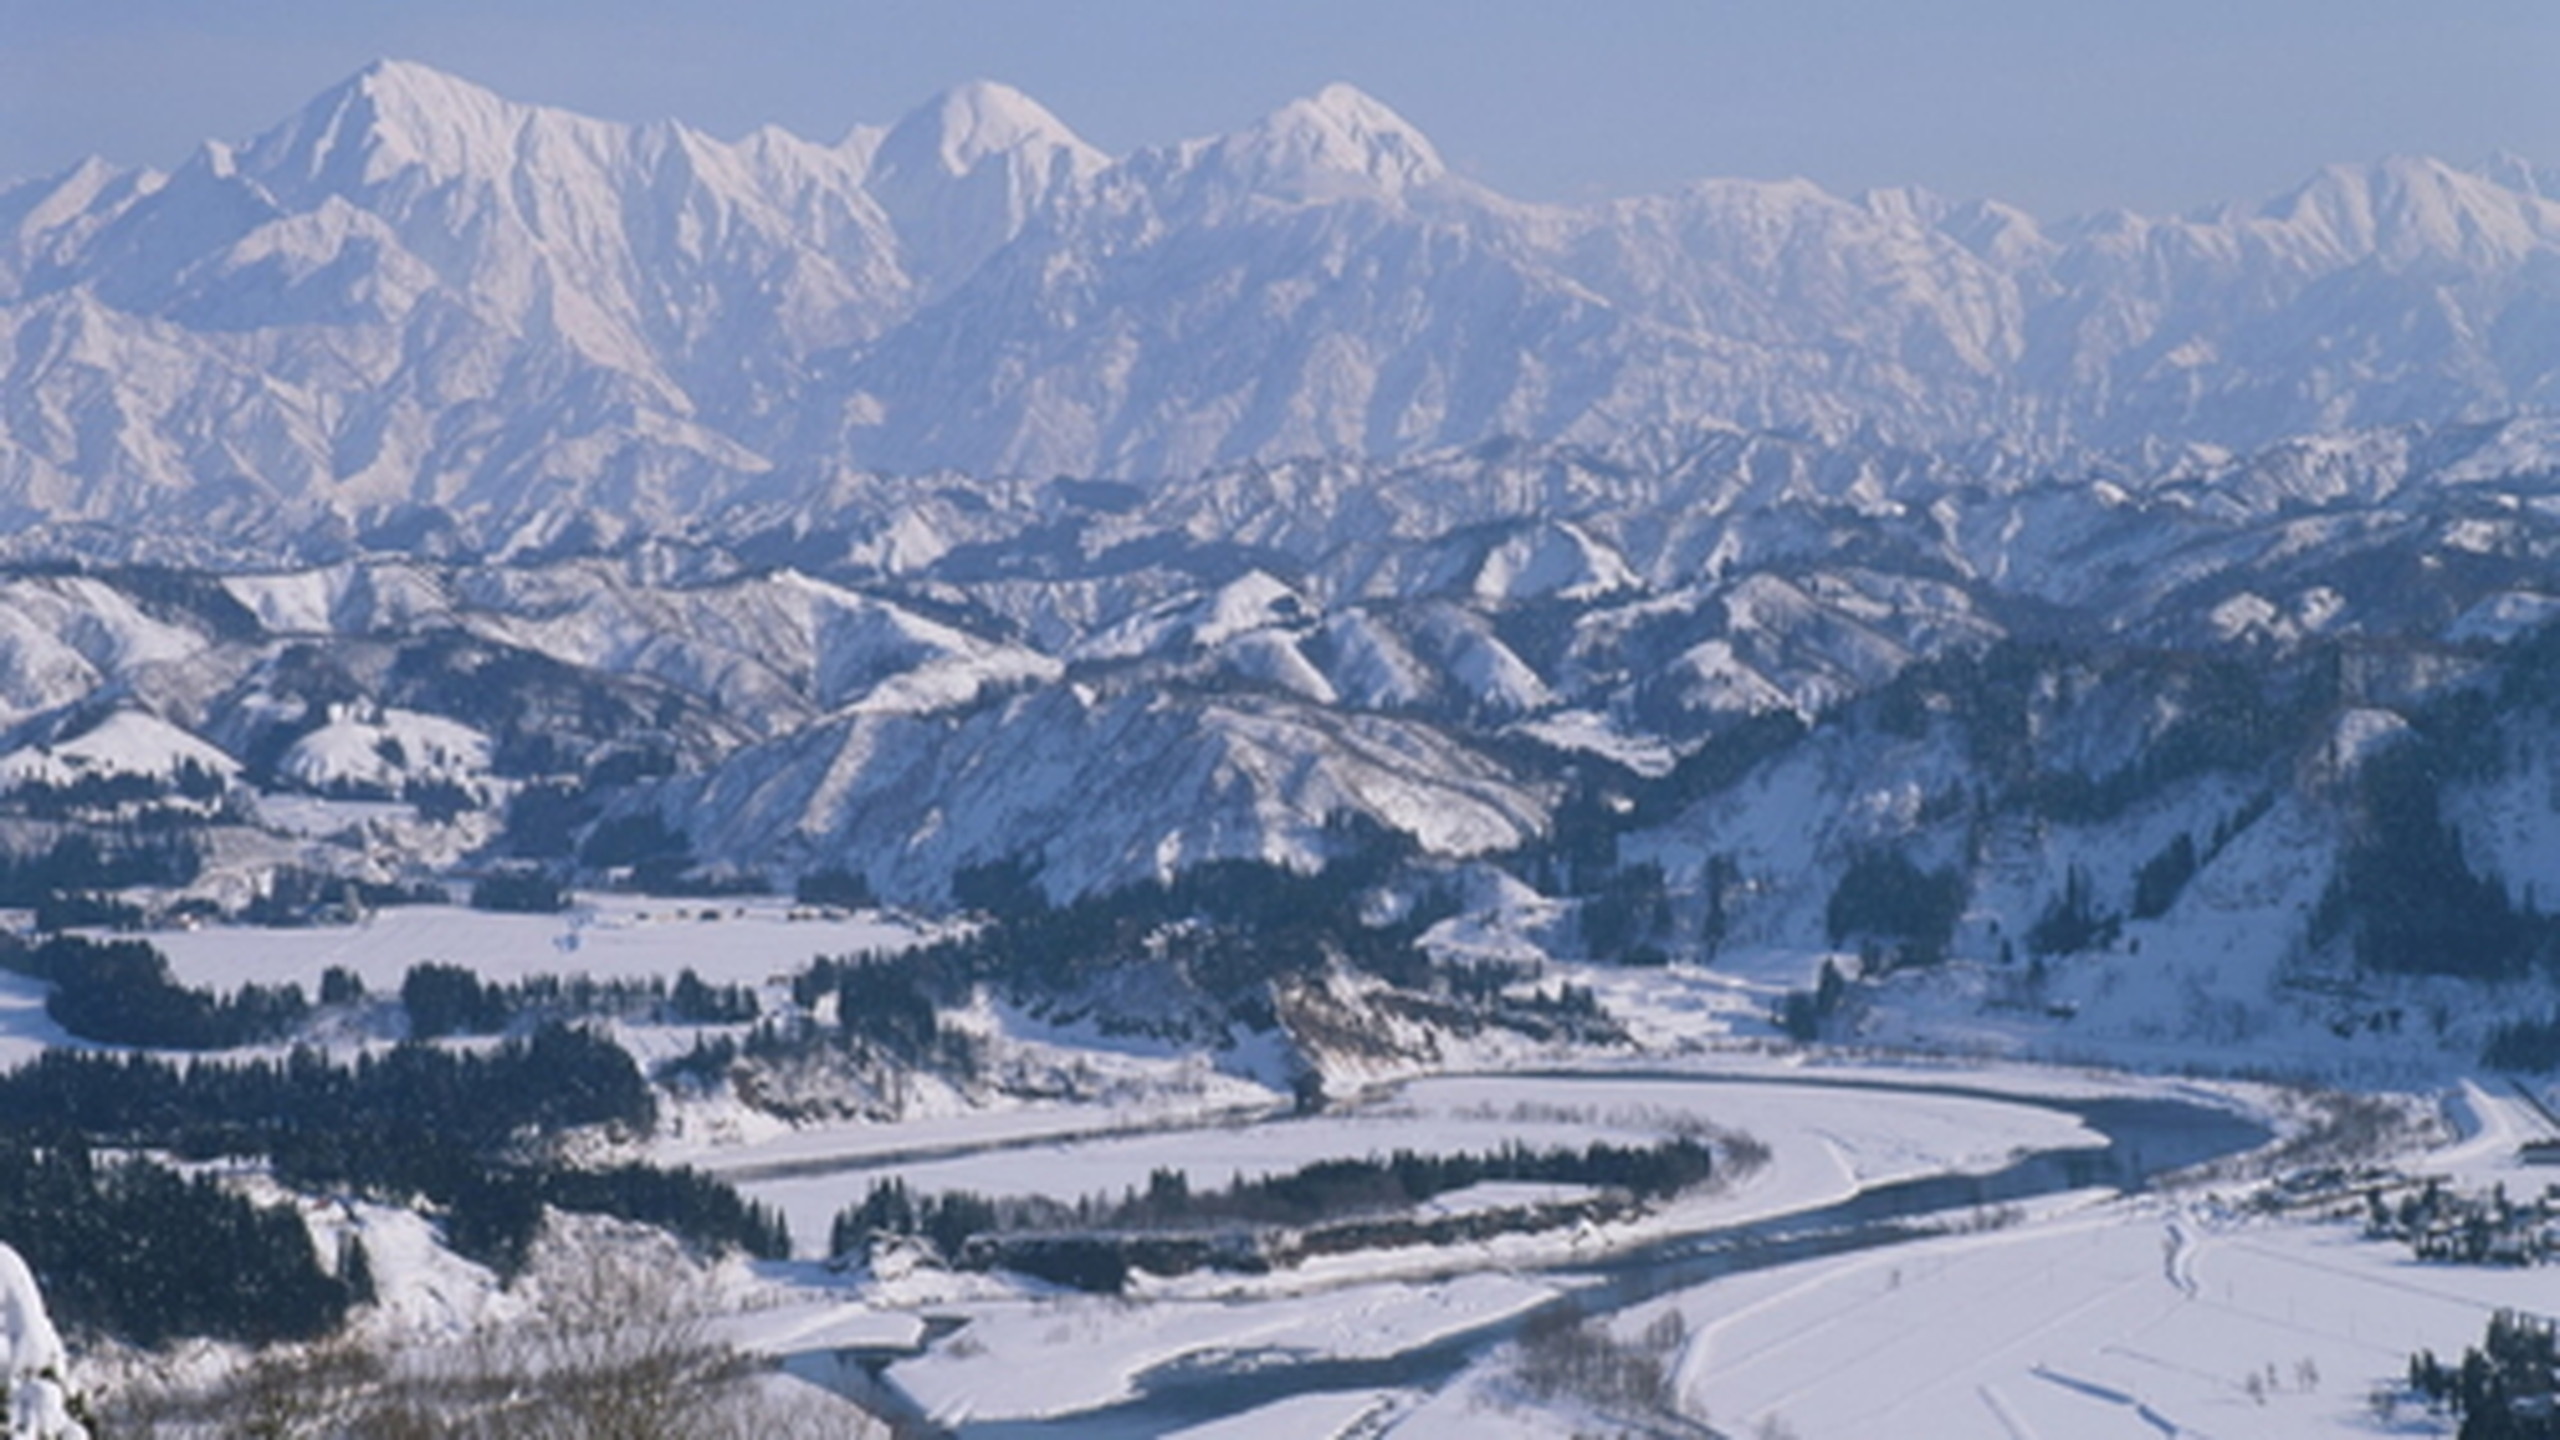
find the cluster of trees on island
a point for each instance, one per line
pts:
(1314, 1194)
(443, 999)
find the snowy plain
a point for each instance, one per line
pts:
(746, 941)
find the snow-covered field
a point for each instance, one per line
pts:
(728, 941)
(2212, 1000)
(2130, 1320)
(2150, 1316)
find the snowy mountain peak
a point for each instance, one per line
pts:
(1913, 205)
(964, 126)
(962, 174)
(389, 116)
(2411, 207)
(2002, 234)
(406, 87)
(1337, 141)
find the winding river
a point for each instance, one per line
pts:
(2144, 1136)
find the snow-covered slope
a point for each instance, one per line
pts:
(1096, 791)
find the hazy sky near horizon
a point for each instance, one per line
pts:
(2059, 107)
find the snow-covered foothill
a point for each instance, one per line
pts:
(1555, 561)
(1096, 791)
(357, 750)
(125, 743)
(1252, 603)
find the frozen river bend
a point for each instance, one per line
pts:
(1854, 1161)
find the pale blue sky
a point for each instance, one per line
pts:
(2059, 105)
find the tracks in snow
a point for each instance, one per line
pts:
(2141, 1408)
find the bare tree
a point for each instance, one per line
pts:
(616, 1345)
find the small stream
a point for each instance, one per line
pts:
(2144, 1137)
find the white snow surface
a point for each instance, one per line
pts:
(1013, 1369)
(32, 1362)
(2133, 1320)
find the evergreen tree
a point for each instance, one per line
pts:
(355, 1270)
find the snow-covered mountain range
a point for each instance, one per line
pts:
(439, 479)
(418, 304)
